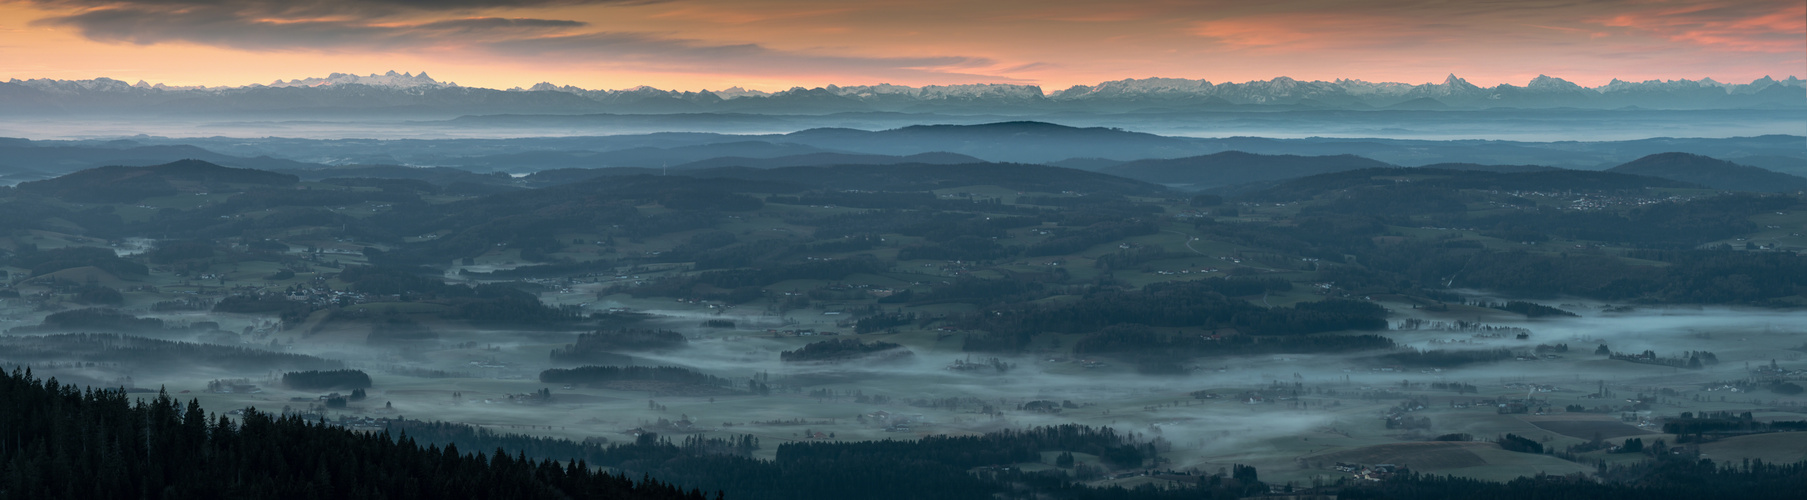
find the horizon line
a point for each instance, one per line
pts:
(301, 82)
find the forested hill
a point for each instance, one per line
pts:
(1028, 141)
(1039, 232)
(829, 159)
(1235, 167)
(1552, 180)
(1713, 172)
(66, 442)
(60, 157)
(130, 184)
(923, 177)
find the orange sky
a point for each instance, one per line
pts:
(777, 44)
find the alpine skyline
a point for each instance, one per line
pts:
(778, 44)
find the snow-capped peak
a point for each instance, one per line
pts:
(390, 79)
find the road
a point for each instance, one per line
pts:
(1189, 239)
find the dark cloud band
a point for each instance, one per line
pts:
(320, 6)
(208, 28)
(658, 53)
(274, 25)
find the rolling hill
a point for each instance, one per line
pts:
(1018, 141)
(1304, 188)
(1235, 167)
(1712, 172)
(827, 159)
(920, 177)
(60, 157)
(117, 184)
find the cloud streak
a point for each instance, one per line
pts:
(648, 52)
(314, 8)
(268, 34)
(773, 44)
(1770, 27)
(1321, 32)
(275, 25)
(388, 25)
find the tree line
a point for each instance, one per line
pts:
(66, 442)
(606, 374)
(319, 380)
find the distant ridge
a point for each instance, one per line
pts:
(1503, 180)
(827, 159)
(1019, 141)
(921, 177)
(1235, 167)
(1489, 168)
(1712, 172)
(131, 184)
(60, 157)
(420, 93)
(645, 156)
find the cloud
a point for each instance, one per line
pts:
(313, 8)
(1776, 26)
(728, 15)
(648, 52)
(928, 41)
(1322, 31)
(494, 23)
(1763, 26)
(301, 24)
(209, 28)
(419, 25)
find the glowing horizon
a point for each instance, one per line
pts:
(773, 45)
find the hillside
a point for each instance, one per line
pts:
(753, 303)
(1490, 168)
(1019, 141)
(1712, 172)
(129, 184)
(1784, 164)
(1235, 167)
(1553, 180)
(651, 157)
(263, 456)
(60, 157)
(828, 159)
(915, 177)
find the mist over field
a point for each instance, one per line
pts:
(665, 250)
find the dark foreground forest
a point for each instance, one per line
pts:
(66, 442)
(62, 441)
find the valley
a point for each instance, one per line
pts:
(1314, 328)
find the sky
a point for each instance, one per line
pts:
(780, 44)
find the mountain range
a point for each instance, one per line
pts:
(1260, 177)
(1083, 148)
(407, 93)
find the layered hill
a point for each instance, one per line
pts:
(1550, 180)
(1017, 141)
(1085, 148)
(60, 157)
(922, 177)
(1235, 167)
(827, 159)
(116, 184)
(405, 93)
(1712, 172)
(643, 156)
